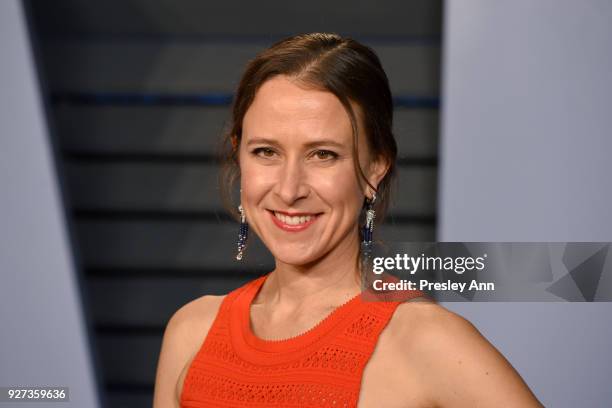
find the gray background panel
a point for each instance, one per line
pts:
(44, 336)
(524, 153)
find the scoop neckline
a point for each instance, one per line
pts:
(247, 341)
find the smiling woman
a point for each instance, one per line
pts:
(312, 146)
(301, 178)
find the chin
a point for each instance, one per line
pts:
(293, 256)
(294, 260)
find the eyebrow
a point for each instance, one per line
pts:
(309, 144)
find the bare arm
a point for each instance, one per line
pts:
(183, 336)
(463, 369)
(174, 353)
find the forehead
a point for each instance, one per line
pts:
(282, 108)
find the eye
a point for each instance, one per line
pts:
(325, 154)
(267, 152)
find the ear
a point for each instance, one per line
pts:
(376, 172)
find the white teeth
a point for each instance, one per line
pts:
(293, 220)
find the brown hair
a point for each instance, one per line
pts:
(342, 66)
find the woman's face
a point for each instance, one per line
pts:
(296, 158)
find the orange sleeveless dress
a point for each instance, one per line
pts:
(319, 368)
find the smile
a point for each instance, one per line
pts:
(293, 223)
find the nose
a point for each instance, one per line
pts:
(292, 181)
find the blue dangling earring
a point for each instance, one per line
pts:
(243, 234)
(368, 228)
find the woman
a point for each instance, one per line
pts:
(312, 143)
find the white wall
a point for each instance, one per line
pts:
(43, 337)
(525, 156)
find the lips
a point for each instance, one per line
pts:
(293, 222)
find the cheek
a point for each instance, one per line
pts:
(341, 188)
(255, 181)
(251, 185)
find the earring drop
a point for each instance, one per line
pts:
(368, 228)
(243, 234)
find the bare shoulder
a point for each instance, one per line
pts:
(184, 334)
(458, 365)
(189, 325)
(416, 321)
(428, 326)
(200, 312)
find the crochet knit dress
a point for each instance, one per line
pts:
(319, 368)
